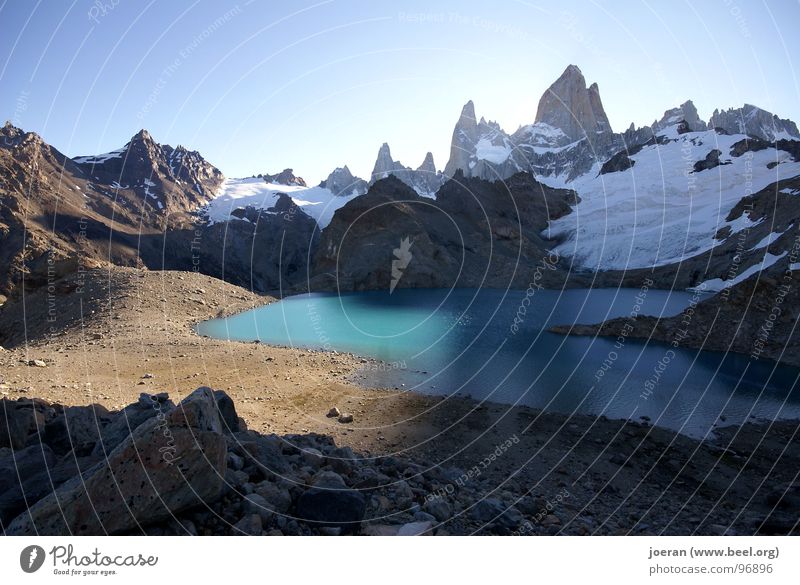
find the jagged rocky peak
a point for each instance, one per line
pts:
(341, 182)
(572, 107)
(465, 137)
(427, 165)
(285, 177)
(686, 112)
(12, 136)
(167, 179)
(425, 180)
(754, 121)
(384, 163)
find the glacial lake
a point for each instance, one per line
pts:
(463, 342)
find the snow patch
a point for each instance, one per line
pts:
(493, 153)
(97, 159)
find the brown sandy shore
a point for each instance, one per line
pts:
(109, 334)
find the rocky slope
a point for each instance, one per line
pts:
(196, 469)
(756, 318)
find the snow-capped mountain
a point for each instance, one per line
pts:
(569, 134)
(318, 202)
(686, 112)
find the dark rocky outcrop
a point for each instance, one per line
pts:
(742, 319)
(709, 162)
(475, 233)
(617, 163)
(285, 177)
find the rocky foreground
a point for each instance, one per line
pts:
(158, 468)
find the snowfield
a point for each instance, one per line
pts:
(660, 211)
(318, 202)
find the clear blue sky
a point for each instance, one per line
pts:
(314, 85)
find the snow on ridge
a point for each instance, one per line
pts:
(659, 211)
(97, 159)
(717, 284)
(318, 202)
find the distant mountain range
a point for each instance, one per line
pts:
(688, 202)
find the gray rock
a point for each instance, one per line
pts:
(438, 508)
(278, 498)
(77, 428)
(414, 529)
(491, 511)
(312, 457)
(14, 425)
(160, 470)
(250, 525)
(256, 504)
(341, 460)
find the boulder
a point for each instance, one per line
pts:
(129, 418)
(329, 502)
(227, 411)
(414, 529)
(277, 498)
(256, 504)
(262, 454)
(438, 508)
(491, 511)
(166, 466)
(250, 525)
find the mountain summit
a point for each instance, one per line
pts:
(572, 107)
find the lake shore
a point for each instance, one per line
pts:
(105, 336)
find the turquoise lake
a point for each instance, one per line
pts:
(465, 342)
